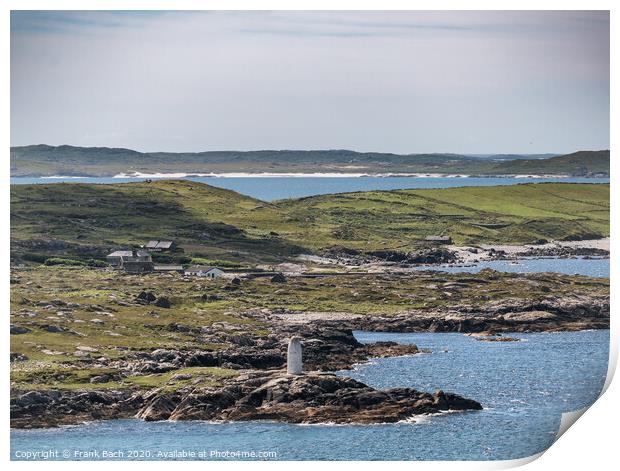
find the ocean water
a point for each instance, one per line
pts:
(524, 387)
(595, 267)
(275, 188)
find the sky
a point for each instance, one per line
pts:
(403, 82)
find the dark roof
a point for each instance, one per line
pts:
(164, 244)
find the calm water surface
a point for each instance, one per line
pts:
(524, 388)
(595, 267)
(275, 188)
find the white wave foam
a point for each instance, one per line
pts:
(284, 175)
(64, 177)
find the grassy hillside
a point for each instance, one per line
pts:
(578, 163)
(44, 160)
(93, 219)
(400, 218)
(86, 221)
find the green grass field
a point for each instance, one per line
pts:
(398, 219)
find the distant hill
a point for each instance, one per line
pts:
(583, 163)
(98, 155)
(47, 160)
(44, 160)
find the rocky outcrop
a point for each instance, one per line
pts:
(18, 330)
(309, 398)
(160, 407)
(325, 349)
(260, 360)
(36, 409)
(435, 255)
(564, 252)
(278, 278)
(552, 314)
(18, 357)
(329, 349)
(425, 256)
(145, 297)
(256, 395)
(163, 302)
(431, 255)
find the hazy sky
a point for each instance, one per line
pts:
(406, 82)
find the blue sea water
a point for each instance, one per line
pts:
(275, 188)
(595, 267)
(524, 387)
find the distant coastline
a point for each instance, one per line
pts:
(61, 161)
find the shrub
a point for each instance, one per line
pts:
(34, 257)
(64, 261)
(91, 262)
(214, 263)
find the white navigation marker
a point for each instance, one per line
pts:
(294, 363)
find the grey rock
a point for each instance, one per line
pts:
(18, 330)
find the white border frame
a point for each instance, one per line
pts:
(591, 443)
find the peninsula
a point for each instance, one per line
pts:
(45, 160)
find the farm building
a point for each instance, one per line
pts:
(136, 267)
(117, 257)
(160, 245)
(439, 239)
(205, 271)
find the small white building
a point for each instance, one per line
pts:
(204, 271)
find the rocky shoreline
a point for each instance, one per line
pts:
(571, 313)
(431, 255)
(263, 391)
(309, 398)
(313, 397)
